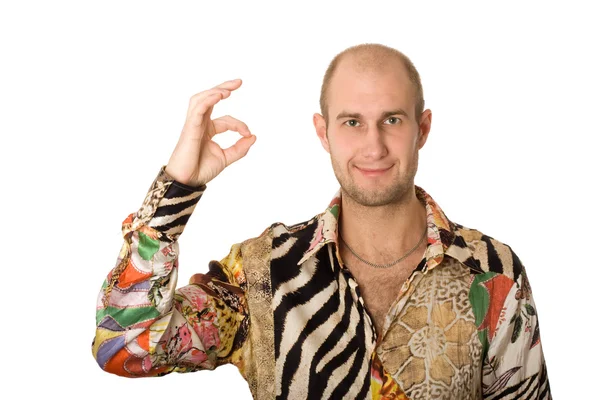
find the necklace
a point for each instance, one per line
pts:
(385, 265)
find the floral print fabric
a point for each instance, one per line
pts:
(464, 326)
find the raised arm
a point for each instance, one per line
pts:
(144, 325)
(147, 327)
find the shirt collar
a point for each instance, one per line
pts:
(441, 232)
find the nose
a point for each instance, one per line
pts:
(374, 145)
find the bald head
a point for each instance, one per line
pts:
(372, 58)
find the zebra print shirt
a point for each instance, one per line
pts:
(290, 316)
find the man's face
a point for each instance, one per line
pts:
(373, 137)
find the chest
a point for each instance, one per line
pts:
(312, 329)
(380, 288)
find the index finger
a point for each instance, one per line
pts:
(230, 85)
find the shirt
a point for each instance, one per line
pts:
(284, 309)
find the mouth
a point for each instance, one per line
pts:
(373, 171)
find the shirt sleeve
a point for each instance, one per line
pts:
(145, 326)
(514, 367)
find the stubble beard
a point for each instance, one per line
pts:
(397, 191)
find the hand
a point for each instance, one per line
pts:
(197, 159)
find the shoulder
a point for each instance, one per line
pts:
(280, 242)
(278, 232)
(483, 253)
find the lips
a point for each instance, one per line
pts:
(373, 172)
(374, 169)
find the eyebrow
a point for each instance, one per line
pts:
(346, 114)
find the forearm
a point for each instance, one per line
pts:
(136, 301)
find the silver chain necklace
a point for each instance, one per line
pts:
(385, 265)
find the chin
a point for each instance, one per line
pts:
(376, 191)
(375, 196)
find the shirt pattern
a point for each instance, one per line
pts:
(284, 309)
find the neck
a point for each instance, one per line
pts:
(384, 233)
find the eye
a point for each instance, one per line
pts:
(395, 120)
(351, 122)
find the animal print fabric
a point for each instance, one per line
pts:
(285, 310)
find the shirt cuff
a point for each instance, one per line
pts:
(168, 205)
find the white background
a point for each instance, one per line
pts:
(94, 94)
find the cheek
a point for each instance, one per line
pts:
(405, 147)
(342, 149)
(341, 154)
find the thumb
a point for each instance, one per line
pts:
(239, 149)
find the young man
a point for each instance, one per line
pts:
(381, 296)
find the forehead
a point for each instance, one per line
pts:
(361, 88)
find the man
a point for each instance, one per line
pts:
(381, 296)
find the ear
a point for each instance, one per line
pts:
(424, 127)
(321, 129)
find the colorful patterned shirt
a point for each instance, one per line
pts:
(286, 311)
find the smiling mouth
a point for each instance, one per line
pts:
(370, 173)
(370, 170)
